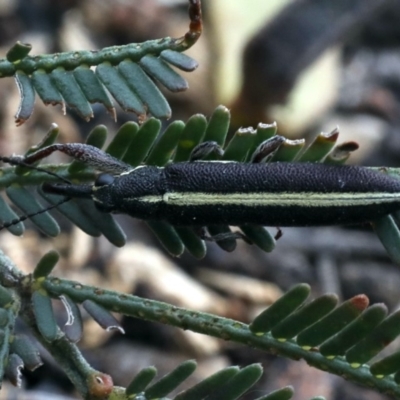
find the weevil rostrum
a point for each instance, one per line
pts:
(200, 193)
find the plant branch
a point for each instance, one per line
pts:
(112, 54)
(219, 327)
(89, 382)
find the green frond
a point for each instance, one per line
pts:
(9, 309)
(338, 339)
(28, 352)
(126, 73)
(227, 384)
(5, 333)
(19, 352)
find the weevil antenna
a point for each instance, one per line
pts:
(27, 216)
(18, 160)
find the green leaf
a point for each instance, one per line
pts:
(304, 317)
(145, 88)
(354, 332)
(208, 385)
(289, 150)
(46, 264)
(320, 147)
(259, 236)
(389, 235)
(13, 369)
(279, 310)
(193, 244)
(192, 135)
(171, 381)
(92, 88)
(122, 139)
(103, 222)
(386, 366)
(238, 147)
(332, 323)
(24, 200)
(144, 140)
(72, 94)
(18, 52)
(218, 126)
(29, 353)
(285, 393)
(27, 93)
(119, 88)
(46, 89)
(73, 212)
(103, 317)
(168, 237)
(376, 341)
(238, 384)
(141, 381)
(7, 321)
(163, 149)
(162, 72)
(263, 133)
(179, 60)
(5, 299)
(44, 314)
(7, 215)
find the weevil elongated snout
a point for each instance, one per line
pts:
(69, 190)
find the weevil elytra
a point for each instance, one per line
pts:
(201, 193)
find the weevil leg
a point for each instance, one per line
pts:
(267, 149)
(202, 150)
(90, 155)
(279, 233)
(229, 235)
(223, 236)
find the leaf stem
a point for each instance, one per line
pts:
(219, 327)
(112, 54)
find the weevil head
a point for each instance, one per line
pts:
(102, 193)
(135, 192)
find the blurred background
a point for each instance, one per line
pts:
(309, 65)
